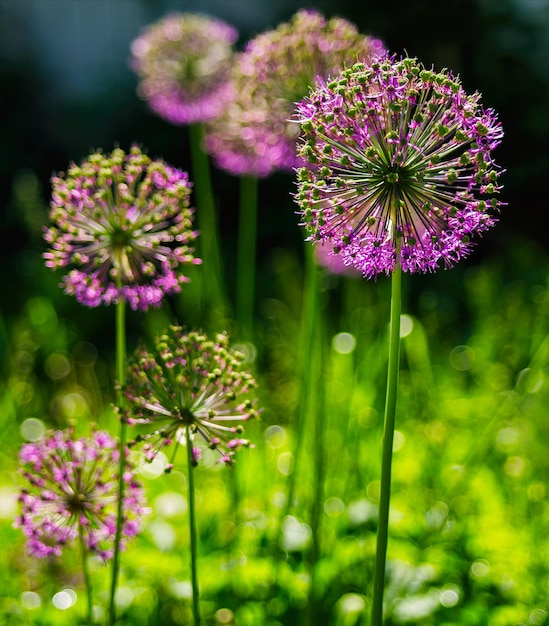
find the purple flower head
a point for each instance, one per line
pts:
(190, 381)
(254, 134)
(184, 62)
(402, 169)
(122, 226)
(73, 491)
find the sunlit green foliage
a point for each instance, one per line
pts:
(469, 528)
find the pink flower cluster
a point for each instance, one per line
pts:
(254, 134)
(73, 492)
(183, 62)
(401, 168)
(122, 225)
(190, 381)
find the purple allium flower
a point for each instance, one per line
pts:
(254, 134)
(190, 381)
(122, 222)
(73, 490)
(402, 169)
(184, 61)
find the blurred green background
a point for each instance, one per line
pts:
(288, 538)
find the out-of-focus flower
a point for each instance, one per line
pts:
(184, 62)
(190, 381)
(122, 222)
(254, 134)
(73, 491)
(401, 167)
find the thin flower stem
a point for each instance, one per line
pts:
(305, 373)
(247, 227)
(207, 221)
(87, 577)
(192, 530)
(121, 376)
(318, 374)
(387, 448)
(306, 344)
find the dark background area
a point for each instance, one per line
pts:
(66, 88)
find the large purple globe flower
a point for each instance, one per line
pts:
(122, 222)
(73, 492)
(401, 167)
(188, 381)
(184, 61)
(254, 135)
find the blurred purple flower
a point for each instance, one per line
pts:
(254, 134)
(401, 167)
(190, 381)
(184, 62)
(123, 223)
(73, 490)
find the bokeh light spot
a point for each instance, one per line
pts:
(40, 311)
(74, 405)
(152, 469)
(351, 604)
(334, 507)
(398, 441)
(367, 417)
(406, 325)
(124, 597)
(514, 466)
(462, 358)
(449, 596)
(343, 343)
(537, 617)
(224, 616)
(361, 511)
(181, 589)
(275, 436)
(8, 502)
(30, 600)
(284, 463)
(295, 535)
(64, 599)
(372, 490)
(163, 534)
(248, 349)
(529, 381)
(85, 353)
(32, 429)
(480, 568)
(507, 439)
(170, 504)
(57, 366)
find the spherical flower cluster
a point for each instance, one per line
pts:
(401, 167)
(184, 62)
(254, 134)
(190, 381)
(122, 222)
(73, 491)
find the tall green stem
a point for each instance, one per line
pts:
(247, 235)
(192, 530)
(310, 309)
(387, 449)
(206, 218)
(121, 377)
(319, 380)
(87, 578)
